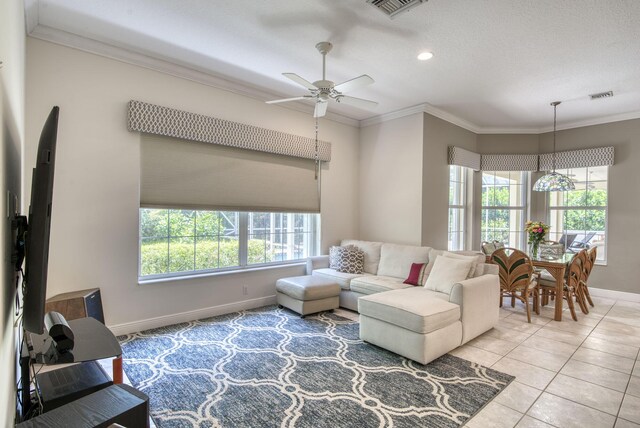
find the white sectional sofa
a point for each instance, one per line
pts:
(418, 323)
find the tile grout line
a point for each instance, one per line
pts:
(627, 387)
(558, 372)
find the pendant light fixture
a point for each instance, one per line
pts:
(554, 181)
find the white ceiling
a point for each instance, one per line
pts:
(497, 65)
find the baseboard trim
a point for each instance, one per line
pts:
(613, 294)
(149, 323)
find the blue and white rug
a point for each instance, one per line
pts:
(269, 368)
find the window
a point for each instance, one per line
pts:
(581, 214)
(504, 198)
(457, 198)
(181, 241)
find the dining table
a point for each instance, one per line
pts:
(556, 266)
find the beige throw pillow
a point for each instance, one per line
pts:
(446, 272)
(476, 269)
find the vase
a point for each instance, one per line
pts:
(533, 248)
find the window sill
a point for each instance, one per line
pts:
(187, 277)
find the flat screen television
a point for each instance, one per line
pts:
(39, 223)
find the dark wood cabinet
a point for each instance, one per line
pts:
(77, 304)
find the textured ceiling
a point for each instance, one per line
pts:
(497, 64)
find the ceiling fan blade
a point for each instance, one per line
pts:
(284, 100)
(354, 83)
(300, 81)
(321, 109)
(356, 102)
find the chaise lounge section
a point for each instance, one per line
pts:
(414, 321)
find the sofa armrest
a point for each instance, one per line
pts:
(317, 262)
(479, 301)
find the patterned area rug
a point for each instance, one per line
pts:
(269, 368)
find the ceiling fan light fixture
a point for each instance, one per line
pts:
(424, 56)
(554, 181)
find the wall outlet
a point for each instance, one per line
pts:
(245, 290)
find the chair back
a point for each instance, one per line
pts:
(515, 268)
(489, 247)
(567, 239)
(590, 260)
(576, 269)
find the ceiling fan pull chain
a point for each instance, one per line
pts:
(316, 152)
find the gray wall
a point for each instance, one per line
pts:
(623, 233)
(437, 136)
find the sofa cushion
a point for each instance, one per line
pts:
(396, 260)
(376, 284)
(414, 308)
(341, 278)
(346, 259)
(480, 259)
(446, 272)
(371, 252)
(476, 260)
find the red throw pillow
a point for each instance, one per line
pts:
(416, 274)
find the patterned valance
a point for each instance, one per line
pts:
(462, 157)
(600, 156)
(154, 119)
(509, 162)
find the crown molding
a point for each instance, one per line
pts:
(420, 108)
(374, 120)
(441, 114)
(31, 15)
(595, 121)
(152, 63)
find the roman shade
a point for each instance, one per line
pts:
(599, 156)
(176, 173)
(461, 157)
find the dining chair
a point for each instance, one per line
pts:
(517, 278)
(570, 287)
(592, 254)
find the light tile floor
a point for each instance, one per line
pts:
(568, 374)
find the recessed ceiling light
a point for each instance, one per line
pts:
(425, 56)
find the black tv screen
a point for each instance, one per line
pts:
(37, 241)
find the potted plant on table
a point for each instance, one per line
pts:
(536, 230)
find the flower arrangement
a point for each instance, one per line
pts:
(536, 230)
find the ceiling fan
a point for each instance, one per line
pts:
(324, 90)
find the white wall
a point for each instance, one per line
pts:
(94, 238)
(391, 181)
(12, 55)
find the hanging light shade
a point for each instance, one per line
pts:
(554, 181)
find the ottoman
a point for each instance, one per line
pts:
(308, 294)
(412, 322)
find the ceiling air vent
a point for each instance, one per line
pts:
(607, 94)
(393, 7)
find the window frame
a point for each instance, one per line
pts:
(243, 246)
(525, 180)
(462, 207)
(604, 208)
